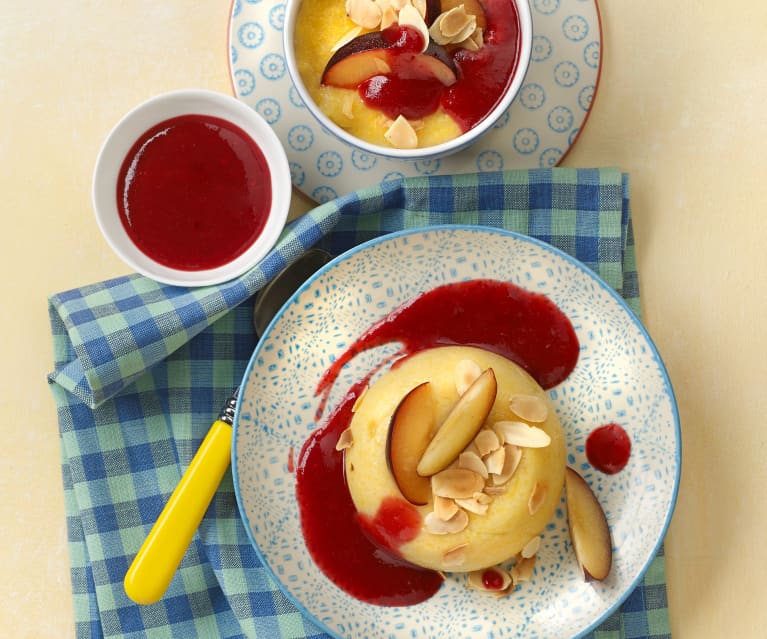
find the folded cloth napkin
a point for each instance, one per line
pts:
(142, 369)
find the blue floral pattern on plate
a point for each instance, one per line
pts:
(562, 78)
(619, 378)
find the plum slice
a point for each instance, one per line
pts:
(372, 54)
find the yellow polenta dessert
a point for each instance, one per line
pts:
(321, 27)
(469, 440)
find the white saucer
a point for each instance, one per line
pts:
(537, 131)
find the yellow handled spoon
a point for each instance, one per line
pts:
(158, 558)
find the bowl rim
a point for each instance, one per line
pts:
(137, 121)
(598, 281)
(449, 147)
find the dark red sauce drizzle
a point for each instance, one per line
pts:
(483, 75)
(360, 555)
(194, 192)
(608, 448)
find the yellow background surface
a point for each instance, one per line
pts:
(681, 107)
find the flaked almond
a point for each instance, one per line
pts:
(399, 4)
(474, 41)
(510, 463)
(495, 461)
(466, 371)
(468, 28)
(346, 38)
(365, 13)
(531, 408)
(455, 557)
(478, 580)
(420, 5)
(471, 461)
(482, 498)
(345, 440)
(537, 498)
(388, 17)
(523, 570)
(456, 483)
(521, 434)
(531, 547)
(486, 442)
(452, 22)
(445, 508)
(455, 524)
(495, 490)
(410, 17)
(472, 505)
(401, 135)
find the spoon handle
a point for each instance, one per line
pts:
(159, 556)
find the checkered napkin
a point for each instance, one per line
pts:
(142, 369)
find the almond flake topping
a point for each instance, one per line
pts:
(510, 463)
(521, 434)
(529, 407)
(523, 570)
(456, 483)
(445, 508)
(473, 505)
(495, 461)
(486, 442)
(472, 461)
(453, 26)
(531, 547)
(476, 579)
(365, 13)
(455, 524)
(345, 440)
(401, 135)
(466, 371)
(410, 17)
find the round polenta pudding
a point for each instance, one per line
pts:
(406, 73)
(470, 445)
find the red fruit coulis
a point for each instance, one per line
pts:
(608, 448)
(194, 192)
(483, 75)
(360, 555)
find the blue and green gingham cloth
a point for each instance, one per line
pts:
(142, 369)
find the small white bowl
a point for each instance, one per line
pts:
(142, 118)
(440, 150)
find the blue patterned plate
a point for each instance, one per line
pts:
(537, 130)
(619, 377)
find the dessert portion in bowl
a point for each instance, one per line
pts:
(469, 439)
(448, 456)
(403, 75)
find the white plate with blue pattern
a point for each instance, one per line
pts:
(619, 378)
(537, 131)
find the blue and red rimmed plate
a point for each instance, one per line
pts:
(537, 131)
(619, 378)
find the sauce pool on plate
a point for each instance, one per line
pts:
(194, 192)
(360, 555)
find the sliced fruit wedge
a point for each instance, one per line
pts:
(461, 425)
(411, 428)
(371, 54)
(589, 531)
